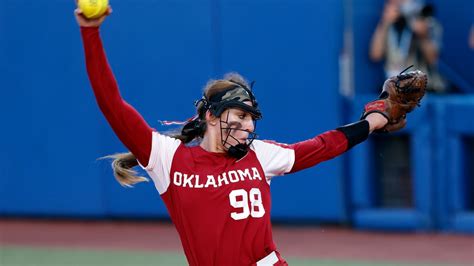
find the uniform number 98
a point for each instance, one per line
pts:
(251, 203)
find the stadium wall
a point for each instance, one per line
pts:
(163, 52)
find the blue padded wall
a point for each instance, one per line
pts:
(365, 16)
(454, 125)
(55, 130)
(365, 212)
(163, 52)
(457, 17)
(45, 116)
(293, 58)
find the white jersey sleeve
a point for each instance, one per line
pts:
(159, 166)
(275, 159)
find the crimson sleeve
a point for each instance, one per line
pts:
(127, 123)
(318, 149)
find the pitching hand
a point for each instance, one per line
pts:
(85, 22)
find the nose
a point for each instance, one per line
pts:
(248, 125)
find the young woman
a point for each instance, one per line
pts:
(218, 191)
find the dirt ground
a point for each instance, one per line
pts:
(304, 242)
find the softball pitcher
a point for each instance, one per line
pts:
(217, 191)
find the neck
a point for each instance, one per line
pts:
(211, 142)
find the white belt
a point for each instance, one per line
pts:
(269, 260)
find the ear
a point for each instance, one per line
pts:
(211, 119)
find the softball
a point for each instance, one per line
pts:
(93, 8)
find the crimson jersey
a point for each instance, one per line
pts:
(219, 205)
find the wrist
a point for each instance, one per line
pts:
(376, 121)
(355, 133)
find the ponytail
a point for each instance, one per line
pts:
(192, 130)
(122, 165)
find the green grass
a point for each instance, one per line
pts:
(32, 256)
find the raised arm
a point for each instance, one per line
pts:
(377, 43)
(428, 38)
(127, 123)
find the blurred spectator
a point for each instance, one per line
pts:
(408, 34)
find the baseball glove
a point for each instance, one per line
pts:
(400, 95)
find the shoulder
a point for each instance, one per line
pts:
(162, 150)
(268, 144)
(165, 141)
(276, 158)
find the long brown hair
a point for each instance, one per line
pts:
(123, 163)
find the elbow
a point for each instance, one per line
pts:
(105, 107)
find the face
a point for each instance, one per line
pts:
(236, 125)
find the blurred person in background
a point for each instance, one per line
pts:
(408, 34)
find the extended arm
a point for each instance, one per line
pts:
(335, 142)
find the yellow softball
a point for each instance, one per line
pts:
(93, 8)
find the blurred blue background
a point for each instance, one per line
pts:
(312, 71)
